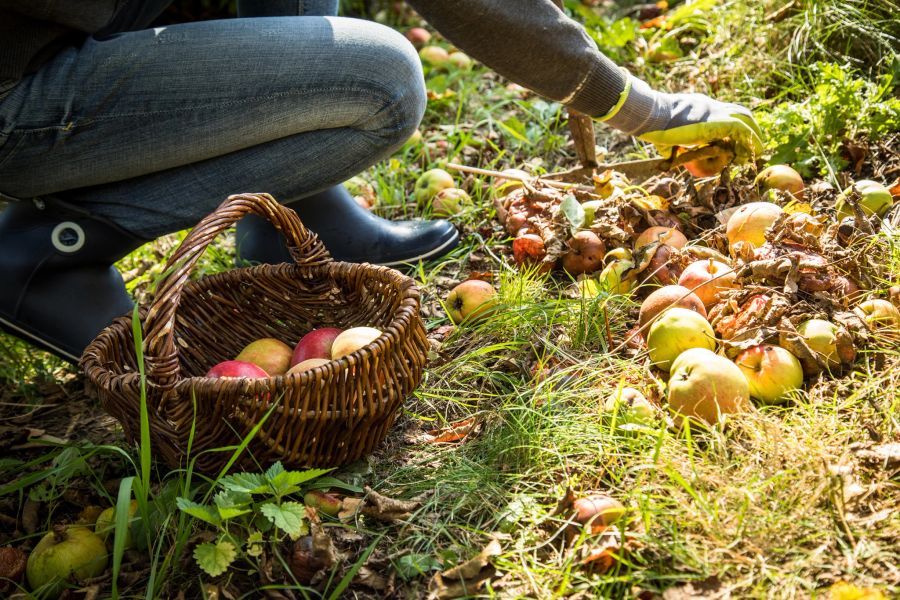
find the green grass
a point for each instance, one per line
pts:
(770, 506)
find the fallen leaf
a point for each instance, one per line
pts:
(887, 455)
(465, 578)
(453, 432)
(378, 507)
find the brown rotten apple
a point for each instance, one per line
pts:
(705, 386)
(707, 279)
(663, 235)
(667, 296)
(529, 249)
(471, 300)
(585, 254)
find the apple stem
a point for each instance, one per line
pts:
(59, 533)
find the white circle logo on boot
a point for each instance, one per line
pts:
(68, 237)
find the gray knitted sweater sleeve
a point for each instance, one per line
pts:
(532, 43)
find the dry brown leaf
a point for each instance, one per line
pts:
(885, 455)
(465, 578)
(378, 507)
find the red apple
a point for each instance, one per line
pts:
(781, 177)
(470, 300)
(676, 330)
(749, 223)
(274, 356)
(667, 296)
(418, 36)
(710, 166)
(771, 371)
(315, 344)
(706, 386)
(585, 254)
(707, 279)
(351, 340)
(306, 365)
(236, 368)
(665, 235)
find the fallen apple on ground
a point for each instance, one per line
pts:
(632, 405)
(676, 330)
(875, 199)
(667, 296)
(352, 339)
(271, 355)
(322, 501)
(585, 254)
(315, 344)
(236, 368)
(705, 386)
(879, 314)
(418, 37)
(106, 523)
(821, 337)
(749, 223)
(664, 235)
(528, 249)
(598, 511)
(708, 166)
(707, 279)
(434, 56)
(470, 301)
(449, 202)
(771, 371)
(430, 183)
(66, 554)
(781, 177)
(460, 60)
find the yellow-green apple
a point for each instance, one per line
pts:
(449, 202)
(675, 330)
(62, 555)
(434, 56)
(352, 339)
(418, 36)
(322, 501)
(781, 177)
(749, 223)
(460, 60)
(430, 183)
(665, 235)
(236, 368)
(632, 405)
(585, 254)
(875, 199)
(590, 209)
(821, 337)
(771, 371)
(617, 276)
(879, 314)
(667, 296)
(707, 279)
(706, 386)
(470, 301)
(273, 356)
(709, 166)
(106, 523)
(315, 344)
(306, 365)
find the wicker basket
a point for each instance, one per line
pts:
(328, 416)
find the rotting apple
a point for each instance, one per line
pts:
(434, 56)
(675, 330)
(470, 301)
(63, 555)
(449, 202)
(352, 339)
(781, 177)
(308, 364)
(706, 386)
(875, 199)
(665, 235)
(106, 523)
(585, 255)
(771, 371)
(750, 221)
(708, 278)
(879, 314)
(664, 266)
(821, 337)
(430, 183)
(230, 369)
(315, 344)
(418, 36)
(529, 249)
(665, 297)
(271, 355)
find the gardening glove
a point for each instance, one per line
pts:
(670, 120)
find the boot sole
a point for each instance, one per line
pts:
(29, 336)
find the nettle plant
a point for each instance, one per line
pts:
(249, 510)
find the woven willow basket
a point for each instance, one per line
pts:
(324, 417)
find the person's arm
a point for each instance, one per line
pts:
(533, 43)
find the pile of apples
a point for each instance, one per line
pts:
(269, 357)
(437, 189)
(724, 328)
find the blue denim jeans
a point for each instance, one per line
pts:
(153, 128)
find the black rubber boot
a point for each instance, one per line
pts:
(59, 286)
(350, 232)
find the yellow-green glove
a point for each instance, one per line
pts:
(669, 120)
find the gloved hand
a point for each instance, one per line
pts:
(669, 120)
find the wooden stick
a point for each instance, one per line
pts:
(561, 185)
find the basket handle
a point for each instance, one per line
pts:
(160, 350)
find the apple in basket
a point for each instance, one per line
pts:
(352, 340)
(315, 344)
(236, 368)
(273, 356)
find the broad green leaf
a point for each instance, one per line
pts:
(254, 544)
(274, 471)
(414, 565)
(251, 483)
(290, 517)
(573, 211)
(215, 558)
(232, 504)
(515, 128)
(199, 511)
(288, 482)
